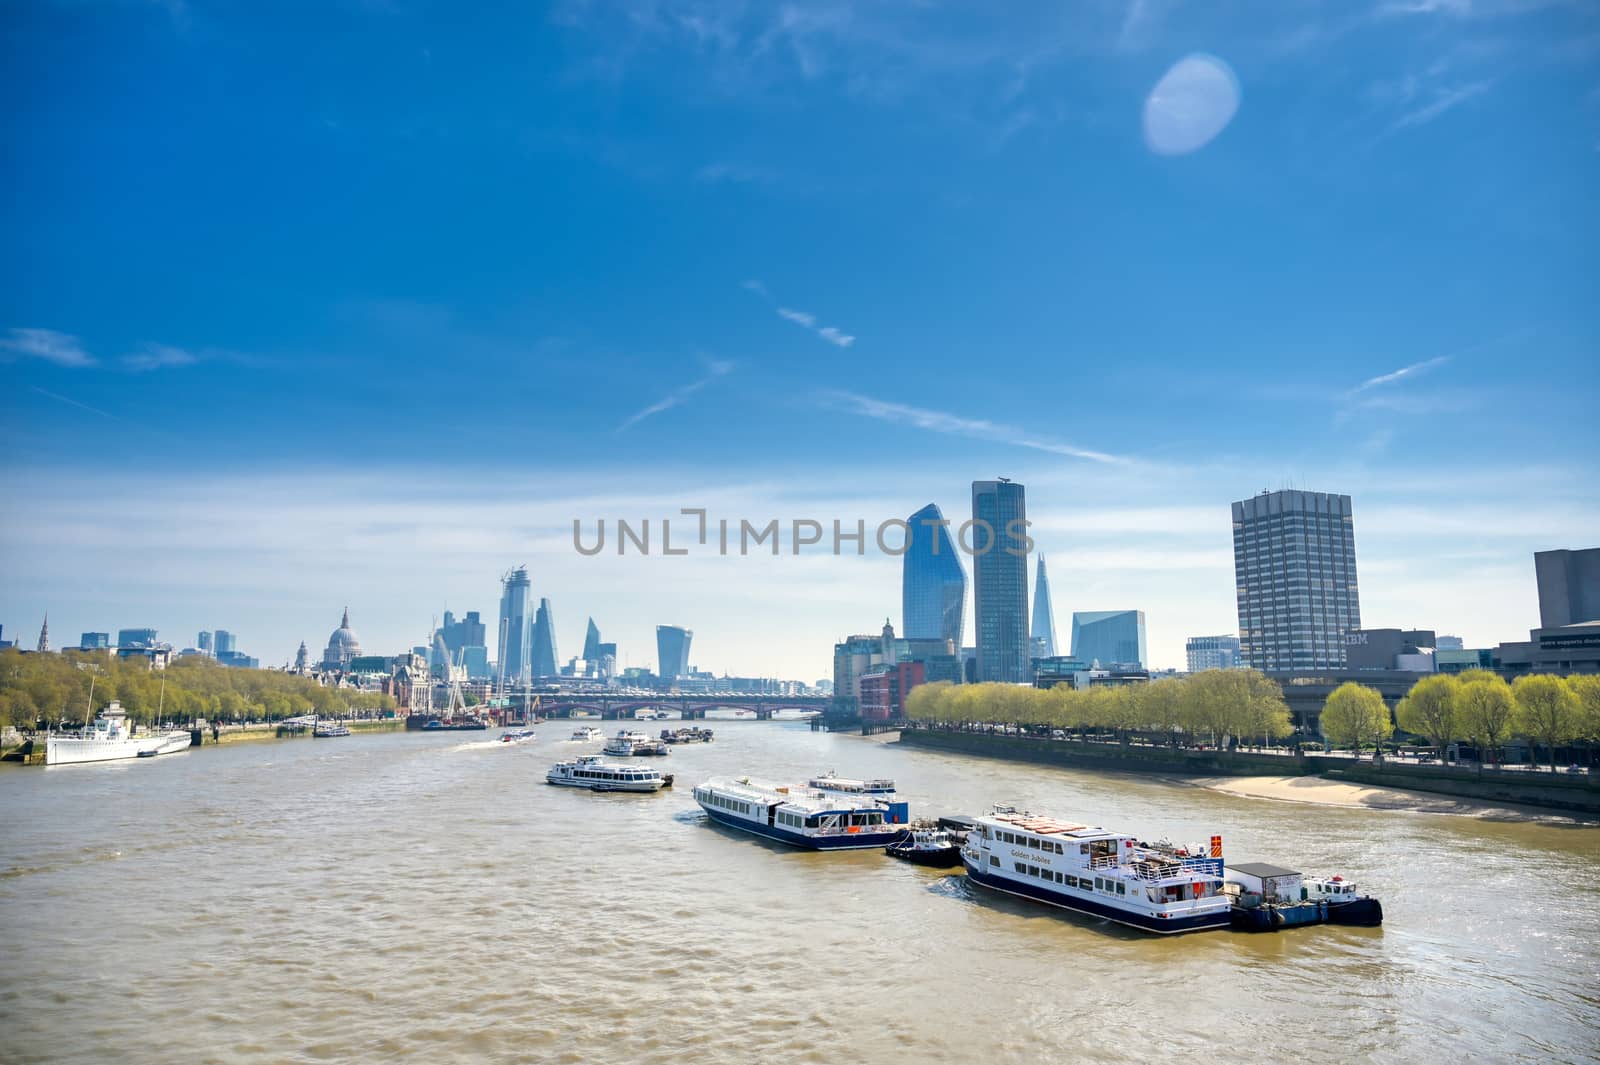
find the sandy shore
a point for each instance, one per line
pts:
(1321, 792)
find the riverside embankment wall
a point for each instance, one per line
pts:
(1576, 793)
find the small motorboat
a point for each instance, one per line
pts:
(1346, 905)
(927, 846)
(521, 735)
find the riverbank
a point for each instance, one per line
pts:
(1365, 783)
(253, 733)
(1320, 791)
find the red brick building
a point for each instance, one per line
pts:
(884, 690)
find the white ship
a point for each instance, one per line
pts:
(108, 739)
(831, 781)
(803, 817)
(1093, 871)
(626, 744)
(586, 734)
(598, 775)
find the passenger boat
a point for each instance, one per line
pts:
(521, 735)
(108, 739)
(802, 817)
(587, 734)
(628, 744)
(324, 730)
(1096, 872)
(598, 775)
(436, 723)
(831, 781)
(692, 734)
(927, 846)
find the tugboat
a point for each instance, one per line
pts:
(1346, 905)
(1267, 898)
(927, 845)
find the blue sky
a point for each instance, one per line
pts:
(316, 303)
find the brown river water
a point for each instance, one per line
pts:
(428, 898)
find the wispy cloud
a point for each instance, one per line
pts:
(804, 319)
(1399, 375)
(715, 368)
(734, 174)
(63, 349)
(944, 422)
(1446, 100)
(158, 356)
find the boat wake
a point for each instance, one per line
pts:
(481, 745)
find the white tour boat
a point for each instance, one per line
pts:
(598, 775)
(626, 744)
(1101, 873)
(175, 740)
(108, 739)
(831, 781)
(587, 734)
(803, 817)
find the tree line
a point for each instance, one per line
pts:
(52, 690)
(1217, 704)
(1476, 707)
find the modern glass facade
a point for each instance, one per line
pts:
(136, 637)
(544, 641)
(224, 642)
(1294, 561)
(933, 586)
(516, 626)
(101, 641)
(1212, 652)
(672, 651)
(591, 643)
(1043, 633)
(1000, 580)
(1109, 637)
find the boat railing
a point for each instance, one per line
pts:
(1169, 868)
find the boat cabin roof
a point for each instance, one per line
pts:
(1049, 826)
(1261, 869)
(828, 780)
(802, 799)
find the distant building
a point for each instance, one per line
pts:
(1405, 651)
(1109, 637)
(933, 586)
(43, 646)
(302, 659)
(1294, 561)
(155, 655)
(544, 641)
(1448, 643)
(516, 626)
(136, 638)
(475, 660)
(1055, 670)
(95, 641)
(1000, 580)
(854, 657)
(226, 643)
(1459, 659)
(672, 651)
(203, 642)
(1043, 633)
(5, 644)
(1212, 652)
(238, 660)
(606, 664)
(1569, 587)
(884, 690)
(343, 646)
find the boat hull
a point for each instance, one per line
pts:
(1367, 913)
(844, 842)
(434, 723)
(636, 786)
(940, 858)
(1201, 922)
(69, 750)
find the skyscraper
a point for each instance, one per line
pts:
(1569, 587)
(672, 651)
(516, 627)
(204, 642)
(933, 586)
(1043, 634)
(1294, 562)
(1000, 579)
(591, 644)
(1109, 637)
(544, 641)
(225, 642)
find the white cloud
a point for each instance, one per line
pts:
(803, 319)
(158, 356)
(63, 349)
(714, 369)
(1446, 100)
(942, 422)
(833, 336)
(798, 317)
(1400, 374)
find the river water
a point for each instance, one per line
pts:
(428, 898)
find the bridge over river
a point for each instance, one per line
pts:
(688, 706)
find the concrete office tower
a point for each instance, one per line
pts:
(1000, 580)
(1043, 634)
(1212, 652)
(1569, 587)
(204, 642)
(1109, 637)
(516, 626)
(1294, 562)
(672, 651)
(933, 586)
(544, 641)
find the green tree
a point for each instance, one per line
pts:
(1586, 689)
(1354, 716)
(1547, 711)
(1485, 708)
(1429, 709)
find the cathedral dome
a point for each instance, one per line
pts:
(343, 645)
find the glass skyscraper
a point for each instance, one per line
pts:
(933, 586)
(1044, 619)
(1294, 563)
(516, 626)
(1109, 637)
(544, 641)
(1000, 580)
(672, 651)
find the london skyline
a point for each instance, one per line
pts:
(384, 332)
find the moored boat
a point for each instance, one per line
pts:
(108, 739)
(802, 817)
(630, 744)
(691, 734)
(926, 845)
(596, 774)
(1267, 898)
(1097, 872)
(831, 781)
(326, 730)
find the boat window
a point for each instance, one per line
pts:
(1033, 843)
(994, 860)
(1058, 878)
(1122, 889)
(1072, 881)
(1022, 867)
(1058, 849)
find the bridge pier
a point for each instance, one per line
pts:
(763, 714)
